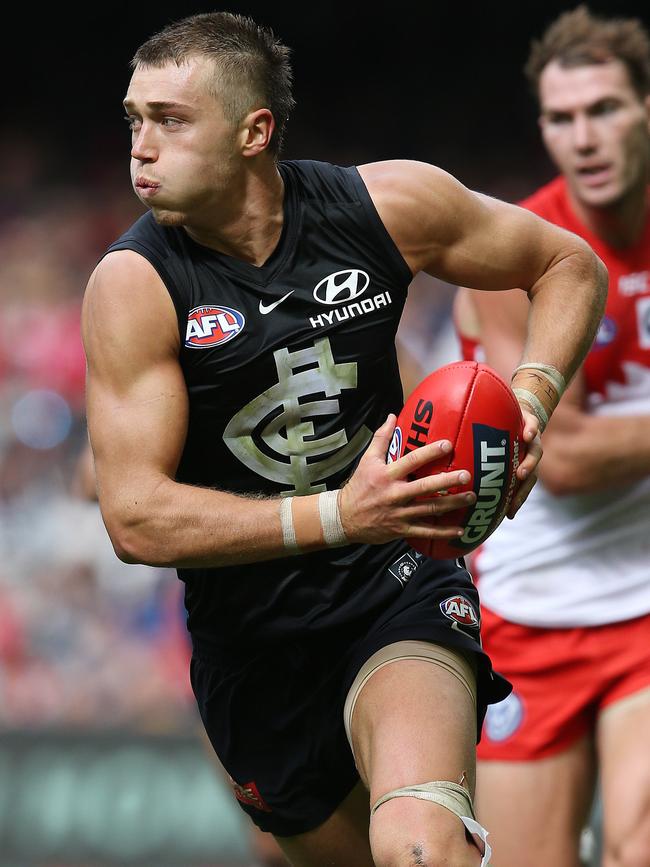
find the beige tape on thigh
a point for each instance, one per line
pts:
(453, 797)
(456, 662)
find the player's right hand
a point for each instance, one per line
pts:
(380, 501)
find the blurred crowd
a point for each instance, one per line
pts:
(84, 639)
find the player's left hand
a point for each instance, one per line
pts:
(527, 469)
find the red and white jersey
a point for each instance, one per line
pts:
(585, 559)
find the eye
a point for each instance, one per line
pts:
(605, 106)
(132, 122)
(558, 117)
(171, 121)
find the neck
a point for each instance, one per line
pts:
(620, 224)
(247, 223)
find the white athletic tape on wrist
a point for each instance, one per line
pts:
(454, 798)
(535, 404)
(553, 375)
(288, 530)
(330, 518)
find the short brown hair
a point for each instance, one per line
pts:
(252, 66)
(579, 38)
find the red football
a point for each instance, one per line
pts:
(470, 405)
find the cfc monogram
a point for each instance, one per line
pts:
(296, 458)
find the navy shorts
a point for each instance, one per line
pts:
(275, 715)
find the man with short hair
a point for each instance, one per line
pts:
(566, 588)
(242, 390)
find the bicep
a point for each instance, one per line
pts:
(461, 236)
(136, 396)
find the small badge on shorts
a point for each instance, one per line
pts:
(248, 793)
(460, 609)
(404, 568)
(504, 718)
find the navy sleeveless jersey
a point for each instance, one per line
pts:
(290, 367)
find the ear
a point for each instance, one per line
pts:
(257, 129)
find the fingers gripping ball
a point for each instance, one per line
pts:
(470, 405)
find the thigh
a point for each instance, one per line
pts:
(537, 807)
(414, 723)
(622, 738)
(341, 841)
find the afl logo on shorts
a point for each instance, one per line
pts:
(341, 286)
(460, 609)
(395, 447)
(212, 326)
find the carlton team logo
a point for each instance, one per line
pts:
(460, 609)
(212, 326)
(395, 447)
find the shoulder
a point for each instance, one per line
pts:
(415, 193)
(400, 180)
(125, 294)
(423, 207)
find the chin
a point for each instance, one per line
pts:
(607, 197)
(168, 218)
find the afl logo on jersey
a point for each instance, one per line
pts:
(212, 326)
(460, 609)
(342, 286)
(395, 447)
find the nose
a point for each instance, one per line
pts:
(143, 146)
(584, 134)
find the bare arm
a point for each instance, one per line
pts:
(471, 240)
(582, 452)
(137, 407)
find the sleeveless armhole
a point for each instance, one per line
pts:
(392, 251)
(159, 266)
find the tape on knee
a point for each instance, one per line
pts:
(453, 797)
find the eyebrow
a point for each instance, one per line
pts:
(159, 105)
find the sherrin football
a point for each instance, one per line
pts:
(470, 405)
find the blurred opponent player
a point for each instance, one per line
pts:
(242, 385)
(566, 589)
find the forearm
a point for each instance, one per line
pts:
(567, 304)
(586, 453)
(184, 526)
(154, 520)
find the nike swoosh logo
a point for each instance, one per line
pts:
(266, 308)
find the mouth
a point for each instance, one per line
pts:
(595, 174)
(143, 184)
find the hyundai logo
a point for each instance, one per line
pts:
(341, 286)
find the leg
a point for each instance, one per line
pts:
(341, 841)
(625, 781)
(536, 810)
(414, 722)
(266, 850)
